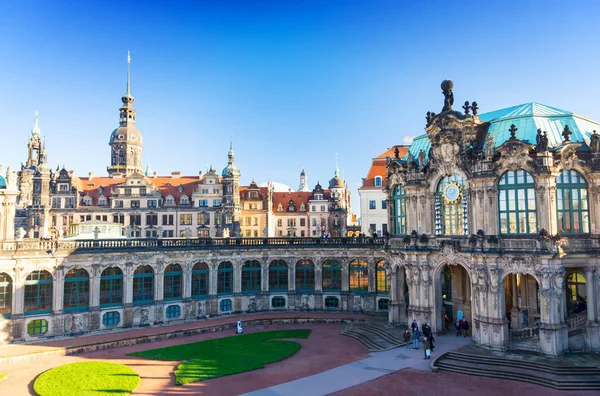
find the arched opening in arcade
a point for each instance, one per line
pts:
(454, 301)
(522, 311)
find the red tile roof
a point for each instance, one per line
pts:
(297, 197)
(378, 167)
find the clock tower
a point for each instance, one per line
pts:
(126, 141)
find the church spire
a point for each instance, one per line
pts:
(35, 131)
(127, 112)
(337, 168)
(128, 74)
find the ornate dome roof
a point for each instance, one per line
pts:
(126, 134)
(337, 181)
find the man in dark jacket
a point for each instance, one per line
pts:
(465, 327)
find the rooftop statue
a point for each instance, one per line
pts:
(447, 86)
(541, 141)
(595, 143)
(567, 133)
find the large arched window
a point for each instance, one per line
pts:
(383, 287)
(200, 274)
(38, 293)
(305, 276)
(332, 276)
(76, 290)
(451, 214)
(172, 282)
(278, 276)
(143, 285)
(572, 203)
(251, 274)
(516, 203)
(225, 278)
(359, 276)
(5, 295)
(111, 287)
(399, 199)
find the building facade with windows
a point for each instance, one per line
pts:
(495, 220)
(373, 198)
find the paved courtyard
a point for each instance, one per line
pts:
(327, 363)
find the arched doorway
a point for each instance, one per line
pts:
(453, 299)
(522, 311)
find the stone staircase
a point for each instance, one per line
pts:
(375, 336)
(558, 376)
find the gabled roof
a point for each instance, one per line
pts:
(378, 167)
(298, 197)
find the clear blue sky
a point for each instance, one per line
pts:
(294, 81)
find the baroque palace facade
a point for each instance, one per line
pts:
(493, 219)
(496, 218)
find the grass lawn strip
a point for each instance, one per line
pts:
(87, 379)
(229, 355)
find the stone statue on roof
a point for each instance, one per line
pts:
(421, 159)
(595, 143)
(447, 86)
(541, 140)
(396, 153)
(567, 134)
(488, 151)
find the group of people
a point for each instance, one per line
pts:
(427, 340)
(462, 327)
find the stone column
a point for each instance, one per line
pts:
(545, 201)
(159, 283)
(318, 277)
(515, 315)
(95, 289)
(57, 292)
(593, 327)
(128, 285)
(553, 330)
(292, 286)
(186, 279)
(264, 284)
(237, 278)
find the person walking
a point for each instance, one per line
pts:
(446, 321)
(465, 327)
(458, 327)
(407, 338)
(416, 337)
(426, 348)
(431, 340)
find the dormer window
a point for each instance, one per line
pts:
(253, 194)
(102, 201)
(184, 200)
(169, 200)
(319, 197)
(378, 181)
(280, 207)
(302, 208)
(87, 201)
(291, 207)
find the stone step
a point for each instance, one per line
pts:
(391, 338)
(501, 361)
(366, 341)
(591, 382)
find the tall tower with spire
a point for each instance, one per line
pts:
(232, 207)
(126, 141)
(303, 182)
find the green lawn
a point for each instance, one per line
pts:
(230, 355)
(86, 379)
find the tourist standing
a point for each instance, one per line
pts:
(465, 327)
(426, 348)
(407, 338)
(414, 326)
(458, 326)
(416, 337)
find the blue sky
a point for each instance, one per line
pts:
(293, 81)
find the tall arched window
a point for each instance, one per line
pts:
(143, 285)
(332, 276)
(278, 276)
(111, 287)
(451, 214)
(5, 295)
(359, 276)
(38, 293)
(305, 276)
(572, 203)
(172, 282)
(251, 274)
(200, 276)
(516, 203)
(399, 199)
(225, 278)
(76, 294)
(383, 287)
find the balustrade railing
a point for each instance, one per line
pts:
(184, 243)
(577, 321)
(527, 332)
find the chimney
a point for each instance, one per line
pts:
(155, 174)
(90, 176)
(176, 175)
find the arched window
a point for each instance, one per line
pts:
(572, 203)
(5, 295)
(111, 287)
(172, 282)
(399, 200)
(451, 207)
(383, 287)
(516, 203)
(378, 180)
(251, 274)
(446, 284)
(576, 293)
(143, 285)
(305, 276)
(76, 294)
(332, 276)
(38, 293)
(225, 278)
(278, 276)
(359, 276)
(200, 274)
